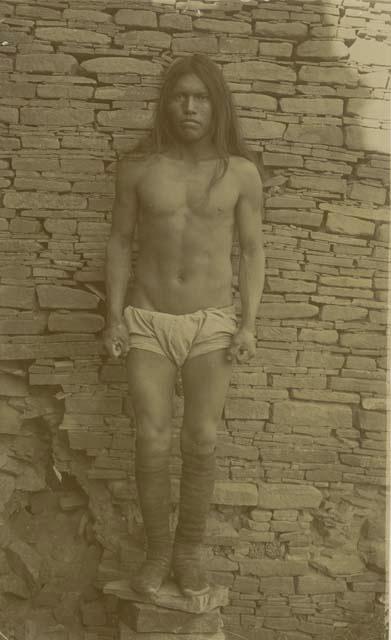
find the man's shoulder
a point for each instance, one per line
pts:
(244, 169)
(132, 166)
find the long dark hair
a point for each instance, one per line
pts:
(226, 134)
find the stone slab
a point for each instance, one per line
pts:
(288, 496)
(294, 412)
(338, 565)
(169, 597)
(128, 634)
(117, 64)
(268, 568)
(149, 618)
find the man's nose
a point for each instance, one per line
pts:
(190, 105)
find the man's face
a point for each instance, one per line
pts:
(190, 109)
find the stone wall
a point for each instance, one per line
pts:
(297, 526)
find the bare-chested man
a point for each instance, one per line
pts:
(186, 195)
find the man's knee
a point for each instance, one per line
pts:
(199, 438)
(153, 434)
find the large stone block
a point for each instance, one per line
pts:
(347, 76)
(118, 64)
(258, 70)
(282, 310)
(368, 193)
(349, 225)
(275, 49)
(339, 565)
(269, 568)
(290, 202)
(25, 323)
(246, 409)
(60, 117)
(135, 18)
(322, 50)
(235, 493)
(282, 30)
(370, 52)
(261, 129)
(367, 139)
(126, 119)
(372, 420)
(94, 404)
(169, 597)
(345, 312)
(317, 584)
(321, 106)
(368, 108)
(315, 134)
(42, 200)
(307, 413)
(49, 349)
(127, 634)
(46, 63)
(9, 115)
(206, 44)
(364, 340)
(157, 39)
(319, 183)
(235, 451)
(216, 26)
(17, 296)
(86, 15)
(79, 36)
(149, 618)
(78, 322)
(175, 22)
(228, 44)
(277, 585)
(58, 297)
(255, 100)
(288, 496)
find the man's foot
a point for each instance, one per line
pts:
(151, 575)
(189, 572)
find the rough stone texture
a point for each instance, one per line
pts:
(294, 530)
(46, 63)
(149, 618)
(169, 597)
(288, 496)
(54, 297)
(118, 65)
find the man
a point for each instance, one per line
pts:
(186, 193)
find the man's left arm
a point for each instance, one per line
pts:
(252, 260)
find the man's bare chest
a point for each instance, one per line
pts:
(164, 193)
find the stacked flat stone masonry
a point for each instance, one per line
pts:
(296, 530)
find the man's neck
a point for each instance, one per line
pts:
(193, 153)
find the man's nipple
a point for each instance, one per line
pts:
(180, 276)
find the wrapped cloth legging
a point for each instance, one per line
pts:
(153, 485)
(196, 490)
(197, 483)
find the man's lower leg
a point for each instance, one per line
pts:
(153, 485)
(197, 483)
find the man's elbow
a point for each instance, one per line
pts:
(253, 252)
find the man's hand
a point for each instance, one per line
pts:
(242, 348)
(116, 339)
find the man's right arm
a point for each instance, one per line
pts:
(118, 255)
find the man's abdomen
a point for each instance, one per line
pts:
(182, 288)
